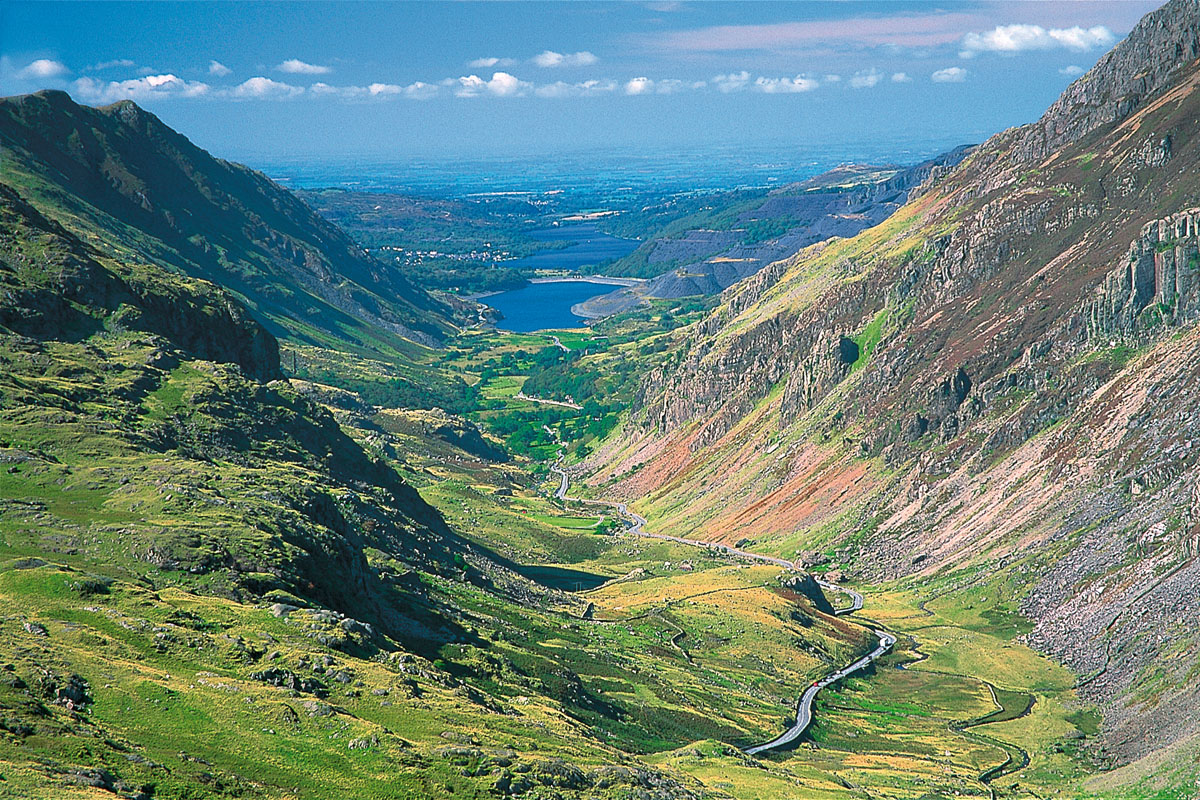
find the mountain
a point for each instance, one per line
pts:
(710, 250)
(224, 582)
(114, 369)
(993, 390)
(978, 418)
(119, 176)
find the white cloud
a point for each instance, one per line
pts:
(151, 87)
(832, 78)
(502, 84)
(642, 85)
(217, 68)
(1071, 71)
(583, 89)
(260, 87)
(785, 85)
(418, 90)
(549, 58)
(295, 66)
(949, 75)
(413, 91)
(324, 89)
(673, 85)
(116, 62)
(491, 61)
(1020, 38)
(43, 68)
(385, 89)
(901, 77)
(732, 82)
(866, 78)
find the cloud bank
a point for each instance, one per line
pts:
(549, 58)
(1022, 38)
(150, 87)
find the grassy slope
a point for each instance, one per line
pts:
(814, 479)
(156, 505)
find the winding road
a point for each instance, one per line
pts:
(804, 706)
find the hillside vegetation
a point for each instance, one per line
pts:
(225, 582)
(993, 388)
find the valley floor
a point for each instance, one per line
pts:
(630, 667)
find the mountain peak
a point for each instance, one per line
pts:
(1142, 64)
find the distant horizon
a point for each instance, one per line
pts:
(257, 81)
(719, 169)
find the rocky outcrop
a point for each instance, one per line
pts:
(1158, 283)
(63, 290)
(1142, 64)
(806, 586)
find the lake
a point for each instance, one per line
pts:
(591, 248)
(539, 306)
(563, 578)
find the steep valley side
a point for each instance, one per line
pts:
(999, 379)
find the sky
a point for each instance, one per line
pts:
(316, 80)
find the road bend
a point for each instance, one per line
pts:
(804, 706)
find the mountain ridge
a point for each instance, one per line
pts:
(937, 394)
(119, 169)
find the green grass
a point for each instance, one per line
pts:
(869, 338)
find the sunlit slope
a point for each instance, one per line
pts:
(1006, 366)
(117, 175)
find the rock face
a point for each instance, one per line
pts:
(1021, 388)
(1158, 284)
(47, 291)
(806, 585)
(1145, 62)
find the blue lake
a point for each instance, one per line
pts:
(591, 247)
(539, 306)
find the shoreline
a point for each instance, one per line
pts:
(607, 280)
(610, 280)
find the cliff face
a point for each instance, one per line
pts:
(1159, 283)
(147, 191)
(997, 375)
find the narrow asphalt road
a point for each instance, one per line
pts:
(805, 703)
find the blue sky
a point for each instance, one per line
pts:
(392, 80)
